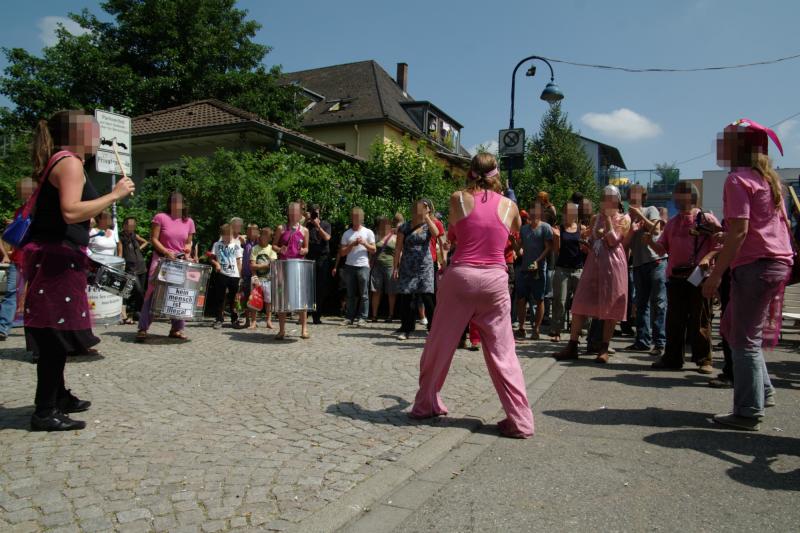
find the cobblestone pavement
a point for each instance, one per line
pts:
(229, 430)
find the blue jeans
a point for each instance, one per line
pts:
(8, 307)
(651, 298)
(753, 286)
(357, 282)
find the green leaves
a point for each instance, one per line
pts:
(556, 163)
(154, 55)
(258, 186)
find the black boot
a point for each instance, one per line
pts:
(55, 420)
(69, 403)
(570, 351)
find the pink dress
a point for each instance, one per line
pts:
(603, 289)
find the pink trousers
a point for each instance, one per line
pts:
(480, 295)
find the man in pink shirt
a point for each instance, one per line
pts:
(688, 238)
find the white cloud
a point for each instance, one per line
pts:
(490, 145)
(622, 124)
(49, 25)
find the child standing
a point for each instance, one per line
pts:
(227, 260)
(261, 258)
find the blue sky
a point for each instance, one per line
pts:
(461, 54)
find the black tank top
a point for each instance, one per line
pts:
(48, 222)
(570, 254)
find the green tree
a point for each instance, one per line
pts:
(668, 175)
(154, 54)
(14, 165)
(258, 186)
(555, 162)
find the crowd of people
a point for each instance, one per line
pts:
(495, 276)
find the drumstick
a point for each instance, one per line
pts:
(119, 161)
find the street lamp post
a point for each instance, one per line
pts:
(551, 94)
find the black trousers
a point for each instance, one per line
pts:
(724, 299)
(49, 370)
(323, 267)
(688, 318)
(409, 310)
(225, 289)
(136, 299)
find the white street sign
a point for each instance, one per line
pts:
(113, 127)
(511, 142)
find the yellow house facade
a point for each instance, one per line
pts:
(352, 106)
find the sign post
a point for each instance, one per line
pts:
(511, 148)
(115, 129)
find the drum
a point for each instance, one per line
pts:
(108, 285)
(180, 289)
(3, 279)
(266, 288)
(293, 286)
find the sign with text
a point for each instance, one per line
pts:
(113, 128)
(179, 302)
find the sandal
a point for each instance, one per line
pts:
(280, 336)
(126, 322)
(178, 335)
(305, 336)
(141, 335)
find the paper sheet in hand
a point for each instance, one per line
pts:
(697, 277)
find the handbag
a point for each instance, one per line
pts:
(16, 234)
(256, 300)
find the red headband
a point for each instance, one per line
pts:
(755, 126)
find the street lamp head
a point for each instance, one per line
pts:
(552, 93)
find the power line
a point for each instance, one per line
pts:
(695, 69)
(790, 117)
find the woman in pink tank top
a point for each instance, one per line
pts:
(292, 243)
(475, 289)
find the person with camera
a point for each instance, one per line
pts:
(535, 244)
(688, 238)
(319, 251)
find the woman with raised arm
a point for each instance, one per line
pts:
(57, 315)
(475, 288)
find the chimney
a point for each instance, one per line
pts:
(402, 76)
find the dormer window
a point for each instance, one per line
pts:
(339, 105)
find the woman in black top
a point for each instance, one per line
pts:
(569, 266)
(56, 310)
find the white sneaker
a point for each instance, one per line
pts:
(423, 322)
(361, 323)
(348, 323)
(402, 337)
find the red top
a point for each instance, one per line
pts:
(482, 236)
(440, 227)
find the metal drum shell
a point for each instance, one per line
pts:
(106, 306)
(293, 285)
(163, 290)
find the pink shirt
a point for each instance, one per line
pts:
(174, 231)
(747, 195)
(481, 236)
(680, 244)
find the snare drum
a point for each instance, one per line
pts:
(293, 285)
(180, 289)
(4, 279)
(109, 284)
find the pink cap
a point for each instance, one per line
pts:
(750, 124)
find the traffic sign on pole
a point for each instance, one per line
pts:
(511, 142)
(113, 128)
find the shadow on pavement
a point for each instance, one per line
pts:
(649, 416)
(15, 354)
(15, 417)
(785, 374)
(153, 340)
(658, 382)
(729, 446)
(261, 337)
(397, 416)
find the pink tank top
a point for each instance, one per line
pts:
(293, 240)
(481, 236)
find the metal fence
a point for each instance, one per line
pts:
(650, 178)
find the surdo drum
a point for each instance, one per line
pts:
(293, 285)
(180, 289)
(108, 285)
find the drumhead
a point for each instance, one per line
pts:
(108, 260)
